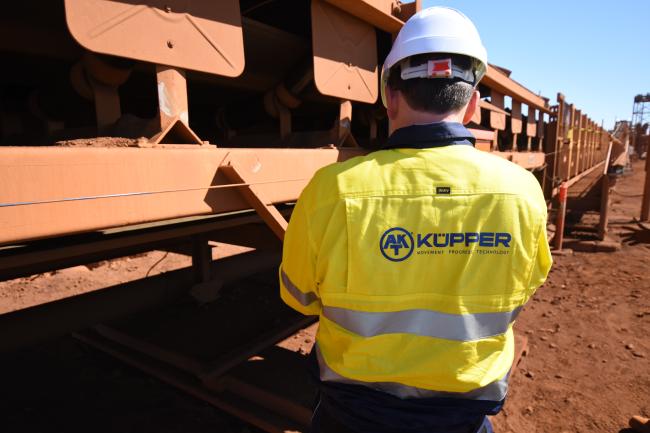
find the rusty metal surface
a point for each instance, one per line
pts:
(156, 184)
(345, 54)
(172, 96)
(485, 139)
(404, 11)
(47, 255)
(247, 317)
(224, 399)
(497, 80)
(528, 160)
(576, 146)
(379, 13)
(197, 35)
(605, 203)
(645, 204)
(263, 391)
(238, 171)
(174, 182)
(531, 122)
(139, 185)
(576, 179)
(34, 324)
(498, 116)
(515, 118)
(491, 107)
(173, 111)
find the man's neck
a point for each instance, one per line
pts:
(423, 118)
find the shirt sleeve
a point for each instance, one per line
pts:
(542, 261)
(298, 285)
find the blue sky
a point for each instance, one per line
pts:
(595, 52)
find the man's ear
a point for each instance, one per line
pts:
(472, 106)
(392, 103)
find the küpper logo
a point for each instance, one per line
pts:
(396, 244)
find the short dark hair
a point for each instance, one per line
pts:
(435, 95)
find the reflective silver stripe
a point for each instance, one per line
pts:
(302, 297)
(495, 391)
(426, 323)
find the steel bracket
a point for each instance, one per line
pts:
(343, 128)
(194, 35)
(173, 108)
(344, 53)
(177, 129)
(236, 171)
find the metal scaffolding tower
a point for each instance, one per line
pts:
(640, 122)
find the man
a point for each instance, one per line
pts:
(418, 257)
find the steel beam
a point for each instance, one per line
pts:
(498, 116)
(100, 188)
(645, 204)
(263, 206)
(572, 181)
(528, 160)
(605, 201)
(30, 325)
(486, 139)
(44, 256)
(497, 80)
(225, 399)
(379, 13)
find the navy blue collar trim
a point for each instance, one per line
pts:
(430, 135)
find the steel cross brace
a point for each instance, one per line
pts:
(235, 170)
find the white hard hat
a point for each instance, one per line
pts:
(436, 30)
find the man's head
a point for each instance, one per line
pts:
(433, 68)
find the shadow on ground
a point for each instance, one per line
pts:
(636, 235)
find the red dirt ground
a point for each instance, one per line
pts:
(588, 367)
(587, 370)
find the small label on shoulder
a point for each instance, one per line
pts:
(443, 190)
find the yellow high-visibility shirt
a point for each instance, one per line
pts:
(417, 262)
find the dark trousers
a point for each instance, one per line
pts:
(323, 422)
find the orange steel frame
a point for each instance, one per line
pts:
(50, 192)
(575, 146)
(99, 188)
(58, 191)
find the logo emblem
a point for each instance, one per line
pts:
(396, 244)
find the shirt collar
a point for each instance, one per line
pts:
(437, 134)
